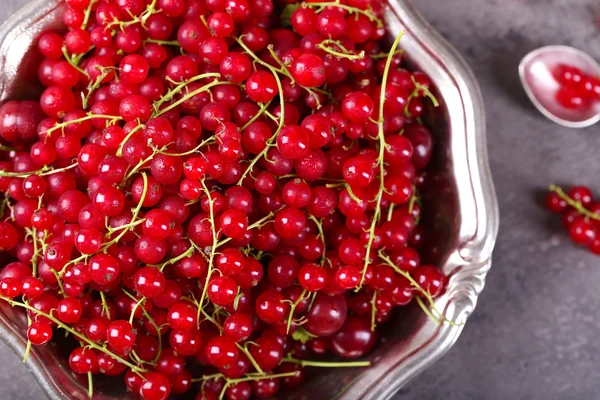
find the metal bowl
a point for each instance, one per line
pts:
(459, 200)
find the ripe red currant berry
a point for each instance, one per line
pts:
(34, 186)
(10, 287)
(158, 224)
(309, 70)
(182, 316)
(120, 335)
(222, 290)
(133, 69)
(555, 203)
(69, 310)
(82, 360)
(267, 352)
(293, 142)
(39, 333)
(31, 287)
(290, 223)
(149, 281)
(430, 279)
(230, 261)
(234, 223)
(581, 194)
(567, 75)
(583, 231)
(312, 277)
(271, 307)
(104, 269)
(238, 327)
(261, 87)
(358, 107)
(354, 339)
(108, 201)
(222, 351)
(348, 277)
(88, 240)
(571, 98)
(155, 386)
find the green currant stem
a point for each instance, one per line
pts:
(85, 99)
(163, 42)
(257, 224)
(252, 360)
(149, 319)
(262, 110)
(350, 192)
(258, 60)
(141, 163)
(6, 148)
(252, 378)
(133, 217)
(274, 118)
(90, 385)
(195, 149)
(79, 336)
(172, 261)
(272, 139)
(345, 52)
(208, 377)
(289, 75)
(73, 261)
(138, 128)
(151, 9)
(293, 308)
(210, 319)
(190, 95)
(351, 10)
(428, 312)
(105, 308)
(373, 311)
(382, 145)
(28, 347)
(321, 235)
(413, 199)
(169, 95)
(380, 56)
(426, 92)
(88, 117)
(390, 212)
(573, 203)
(35, 253)
(325, 364)
(88, 12)
(212, 250)
(128, 226)
(41, 172)
(419, 288)
(73, 62)
(61, 289)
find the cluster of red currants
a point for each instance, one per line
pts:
(580, 215)
(577, 90)
(223, 186)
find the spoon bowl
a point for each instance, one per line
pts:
(535, 71)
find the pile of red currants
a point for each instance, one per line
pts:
(211, 196)
(580, 215)
(577, 90)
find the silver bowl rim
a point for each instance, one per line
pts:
(469, 263)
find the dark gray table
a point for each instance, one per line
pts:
(535, 333)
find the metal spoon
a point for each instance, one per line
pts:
(536, 77)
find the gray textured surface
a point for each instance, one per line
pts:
(534, 334)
